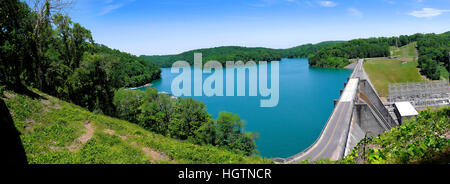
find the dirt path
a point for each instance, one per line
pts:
(78, 144)
(89, 133)
(155, 156)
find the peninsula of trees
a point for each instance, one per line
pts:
(235, 53)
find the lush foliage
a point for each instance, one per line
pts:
(421, 140)
(336, 56)
(234, 53)
(48, 51)
(433, 49)
(184, 119)
(434, 52)
(131, 70)
(51, 131)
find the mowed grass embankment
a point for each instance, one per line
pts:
(383, 71)
(410, 51)
(56, 132)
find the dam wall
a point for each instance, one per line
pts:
(356, 133)
(358, 113)
(366, 89)
(371, 118)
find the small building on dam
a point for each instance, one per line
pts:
(404, 111)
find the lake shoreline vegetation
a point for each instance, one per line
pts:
(237, 53)
(67, 95)
(45, 50)
(54, 131)
(433, 50)
(143, 86)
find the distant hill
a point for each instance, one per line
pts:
(236, 53)
(432, 48)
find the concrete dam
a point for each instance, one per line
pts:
(358, 113)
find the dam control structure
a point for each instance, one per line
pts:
(358, 113)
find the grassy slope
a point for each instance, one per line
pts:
(410, 51)
(444, 73)
(383, 71)
(405, 51)
(54, 131)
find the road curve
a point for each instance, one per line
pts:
(331, 142)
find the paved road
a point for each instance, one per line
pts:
(332, 140)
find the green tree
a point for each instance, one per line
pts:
(230, 133)
(94, 82)
(15, 41)
(193, 115)
(127, 103)
(157, 112)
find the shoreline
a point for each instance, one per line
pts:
(146, 85)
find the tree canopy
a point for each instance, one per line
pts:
(235, 53)
(434, 50)
(46, 50)
(183, 118)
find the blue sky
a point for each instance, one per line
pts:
(156, 27)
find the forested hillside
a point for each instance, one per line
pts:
(43, 48)
(433, 52)
(234, 53)
(336, 56)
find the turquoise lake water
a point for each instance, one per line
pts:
(305, 104)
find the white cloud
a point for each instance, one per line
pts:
(427, 12)
(112, 5)
(327, 3)
(110, 8)
(355, 12)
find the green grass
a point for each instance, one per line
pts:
(405, 51)
(444, 73)
(410, 51)
(384, 71)
(50, 131)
